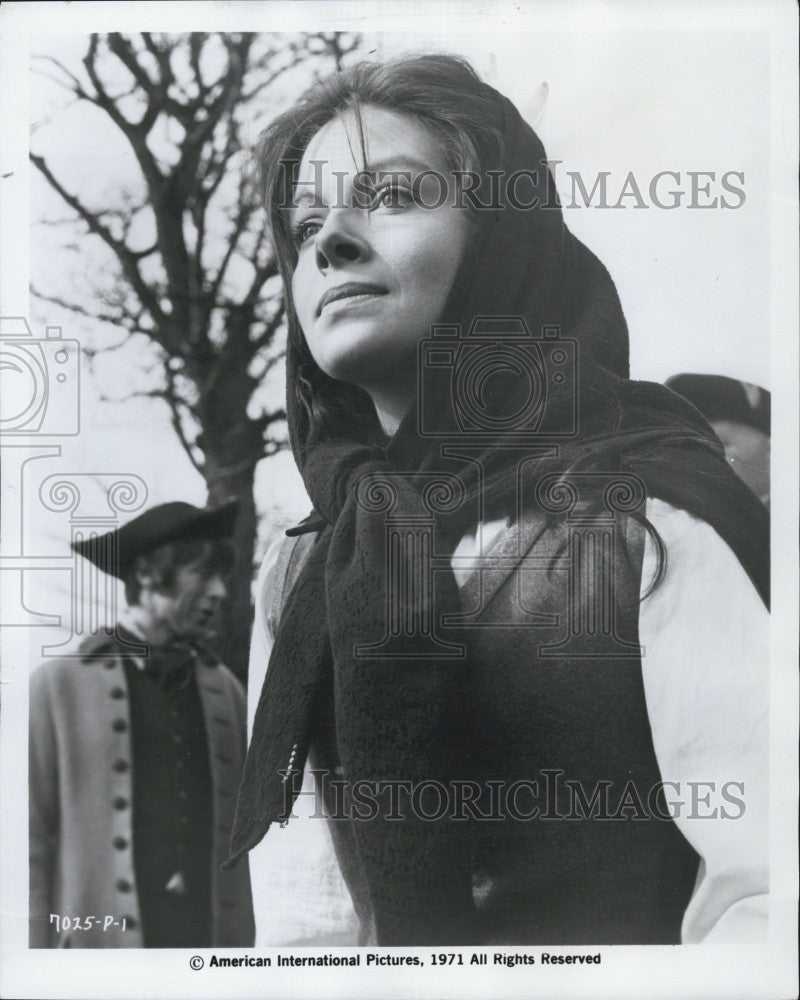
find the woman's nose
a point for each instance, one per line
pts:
(339, 242)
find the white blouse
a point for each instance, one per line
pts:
(705, 636)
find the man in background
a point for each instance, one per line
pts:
(136, 749)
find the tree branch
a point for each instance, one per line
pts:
(127, 258)
(133, 394)
(173, 400)
(134, 132)
(77, 86)
(270, 329)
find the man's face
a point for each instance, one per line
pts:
(190, 607)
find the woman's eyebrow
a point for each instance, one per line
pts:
(304, 197)
(391, 164)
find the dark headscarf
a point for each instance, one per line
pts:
(399, 718)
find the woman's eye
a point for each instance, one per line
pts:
(393, 196)
(304, 231)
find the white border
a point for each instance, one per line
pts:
(697, 971)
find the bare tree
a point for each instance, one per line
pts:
(193, 273)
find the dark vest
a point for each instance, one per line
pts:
(558, 701)
(172, 811)
(572, 839)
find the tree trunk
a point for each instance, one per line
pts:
(234, 643)
(232, 446)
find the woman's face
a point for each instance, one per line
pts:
(374, 268)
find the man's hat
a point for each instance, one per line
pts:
(116, 551)
(720, 398)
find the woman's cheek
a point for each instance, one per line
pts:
(300, 298)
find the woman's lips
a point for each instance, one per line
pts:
(350, 290)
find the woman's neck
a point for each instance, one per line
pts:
(391, 404)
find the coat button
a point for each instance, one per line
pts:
(120, 843)
(120, 802)
(117, 693)
(124, 885)
(120, 766)
(119, 725)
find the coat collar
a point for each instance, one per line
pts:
(118, 642)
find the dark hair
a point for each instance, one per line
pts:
(441, 93)
(215, 558)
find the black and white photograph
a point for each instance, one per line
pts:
(399, 500)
